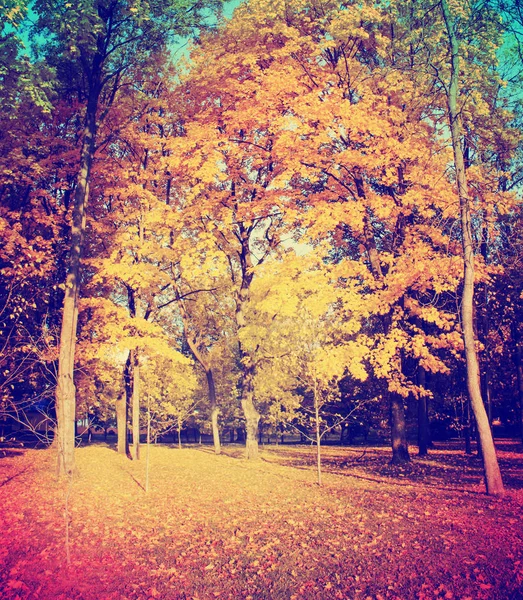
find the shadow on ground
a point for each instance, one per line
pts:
(446, 464)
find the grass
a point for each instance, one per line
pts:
(222, 527)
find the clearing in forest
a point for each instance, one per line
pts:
(222, 527)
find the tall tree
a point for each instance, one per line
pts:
(37, 155)
(359, 163)
(493, 479)
(94, 45)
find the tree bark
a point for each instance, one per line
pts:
(318, 433)
(518, 356)
(400, 448)
(122, 409)
(252, 418)
(135, 450)
(247, 362)
(121, 425)
(147, 449)
(215, 411)
(494, 483)
(423, 418)
(423, 427)
(468, 427)
(65, 388)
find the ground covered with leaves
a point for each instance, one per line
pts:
(221, 527)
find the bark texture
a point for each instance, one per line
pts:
(423, 417)
(400, 447)
(135, 450)
(121, 425)
(493, 480)
(247, 362)
(252, 418)
(518, 355)
(65, 387)
(215, 411)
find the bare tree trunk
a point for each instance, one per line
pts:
(215, 411)
(135, 451)
(423, 419)
(147, 448)
(468, 427)
(247, 359)
(122, 409)
(65, 388)
(423, 427)
(251, 414)
(318, 433)
(400, 448)
(519, 372)
(179, 429)
(121, 425)
(494, 483)
(252, 418)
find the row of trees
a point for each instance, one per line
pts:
(320, 200)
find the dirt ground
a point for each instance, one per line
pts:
(222, 527)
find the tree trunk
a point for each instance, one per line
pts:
(214, 411)
(494, 483)
(122, 409)
(252, 417)
(121, 424)
(400, 448)
(423, 427)
(251, 414)
(519, 372)
(318, 434)
(423, 418)
(179, 429)
(135, 451)
(147, 449)
(467, 427)
(247, 359)
(343, 430)
(65, 388)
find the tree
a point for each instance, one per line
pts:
(493, 479)
(37, 152)
(306, 340)
(463, 81)
(319, 140)
(199, 344)
(168, 392)
(356, 151)
(94, 47)
(226, 167)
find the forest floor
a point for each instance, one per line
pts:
(222, 527)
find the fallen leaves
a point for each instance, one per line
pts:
(217, 527)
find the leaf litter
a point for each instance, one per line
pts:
(222, 527)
